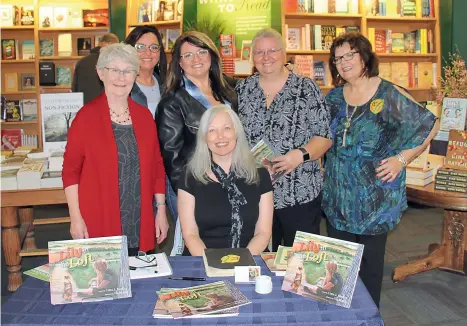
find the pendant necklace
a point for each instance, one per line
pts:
(347, 123)
(123, 118)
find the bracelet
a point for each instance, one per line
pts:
(160, 204)
(401, 159)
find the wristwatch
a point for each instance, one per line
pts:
(306, 155)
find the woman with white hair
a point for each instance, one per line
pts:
(112, 166)
(288, 112)
(224, 201)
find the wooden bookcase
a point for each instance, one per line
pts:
(36, 33)
(396, 24)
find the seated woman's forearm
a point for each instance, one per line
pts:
(194, 244)
(259, 242)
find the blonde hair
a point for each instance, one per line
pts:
(243, 163)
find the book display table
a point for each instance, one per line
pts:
(30, 305)
(18, 236)
(451, 254)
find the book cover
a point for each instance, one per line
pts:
(456, 155)
(28, 51)
(269, 258)
(6, 15)
(89, 270)
(40, 272)
(11, 139)
(380, 41)
(46, 17)
(96, 18)
(453, 114)
(400, 73)
(8, 49)
(323, 268)
(29, 109)
(145, 12)
(282, 257)
(76, 18)
(13, 111)
(263, 153)
(46, 47)
(63, 76)
(293, 38)
(408, 8)
(203, 299)
(303, 65)
(28, 81)
(27, 16)
(11, 82)
(172, 36)
(398, 42)
(228, 258)
(319, 73)
(425, 74)
(155, 265)
(328, 34)
(84, 46)
(64, 44)
(410, 42)
(227, 46)
(60, 19)
(246, 50)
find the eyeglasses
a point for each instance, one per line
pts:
(347, 57)
(263, 53)
(148, 259)
(189, 56)
(154, 48)
(115, 73)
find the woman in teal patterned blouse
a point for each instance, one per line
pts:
(377, 129)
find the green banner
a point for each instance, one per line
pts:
(241, 18)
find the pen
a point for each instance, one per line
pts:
(185, 278)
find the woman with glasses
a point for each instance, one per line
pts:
(194, 84)
(377, 128)
(288, 112)
(112, 167)
(148, 86)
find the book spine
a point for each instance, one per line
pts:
(453, 173)
(451, 178)
(451, 189)
(451, 183)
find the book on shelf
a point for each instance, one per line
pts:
(60, 17)
(172, 36)
(203, 299)
(145, 12)
(28, 51)
(96, 18)
(155, 265)
(76, 18)
(13, 111)
(78, 268)
(46, 47)
(63, 76)
(64, 44)
(402, 8)
(9, 49)
(221, 262)
(10, 82)
(319, 73)
(29, 109)
(303, 65)
(328, 34)
(11, 138)
(323, 268)
(7, 15)
(46, 17)
(456, 155)
(269, 258)
(453, 114)
(246, 50)
(27, 16)
(84, 46)
(28, 81)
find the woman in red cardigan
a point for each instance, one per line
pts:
(112, 166)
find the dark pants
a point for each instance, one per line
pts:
(372, 266)
(287, 221)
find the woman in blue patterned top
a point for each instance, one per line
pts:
(377, 129)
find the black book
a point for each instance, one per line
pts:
(46, 73)
(221, 262)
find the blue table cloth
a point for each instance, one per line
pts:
(30, 305)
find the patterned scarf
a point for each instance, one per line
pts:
(196, 93)
(236, 199)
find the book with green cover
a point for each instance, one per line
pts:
(63, 76)
(40, 272)
(88, 270)
(323, 268)
(46, 47)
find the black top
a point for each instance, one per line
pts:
(85, 78)
(213, 211)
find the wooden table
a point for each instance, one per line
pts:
(18, 237)
(451, 254)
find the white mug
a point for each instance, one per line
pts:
(263, 284)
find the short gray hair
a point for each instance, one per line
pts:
(119, 51)
(243, 163)
(268, 32)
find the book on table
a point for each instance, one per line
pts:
(323, 268)
(88, 270)
(206, 299)
(221, 262)
(269, 258)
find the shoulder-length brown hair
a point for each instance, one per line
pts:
(222, 91)
(360, 44)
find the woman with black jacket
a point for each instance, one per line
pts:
(194, 83)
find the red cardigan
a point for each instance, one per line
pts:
(91, 161)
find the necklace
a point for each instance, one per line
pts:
(347, 123)
(122, 118)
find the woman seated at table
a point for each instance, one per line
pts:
(112, 165)
(224, 201)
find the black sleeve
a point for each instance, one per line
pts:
(186, 181)
(170, 122)
(75, 84)
(265, 183)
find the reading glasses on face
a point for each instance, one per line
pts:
(115, 73)
(347, 57)
(189, 56)
(154, 48)
(263, 53)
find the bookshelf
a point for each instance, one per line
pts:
(365, 20)
(31, 66)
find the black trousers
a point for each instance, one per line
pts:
(372, 266)
(287, 221)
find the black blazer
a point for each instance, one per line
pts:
(177, 117)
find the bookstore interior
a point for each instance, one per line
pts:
(42, 40)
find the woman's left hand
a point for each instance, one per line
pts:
(288, 162)
(162, 225)
(389, 169)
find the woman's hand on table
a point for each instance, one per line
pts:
(288, 162)
(389, 169)
(78, 229)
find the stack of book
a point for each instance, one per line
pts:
(218, 299)
(419, 177)
(451, 180)
(277, 261)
